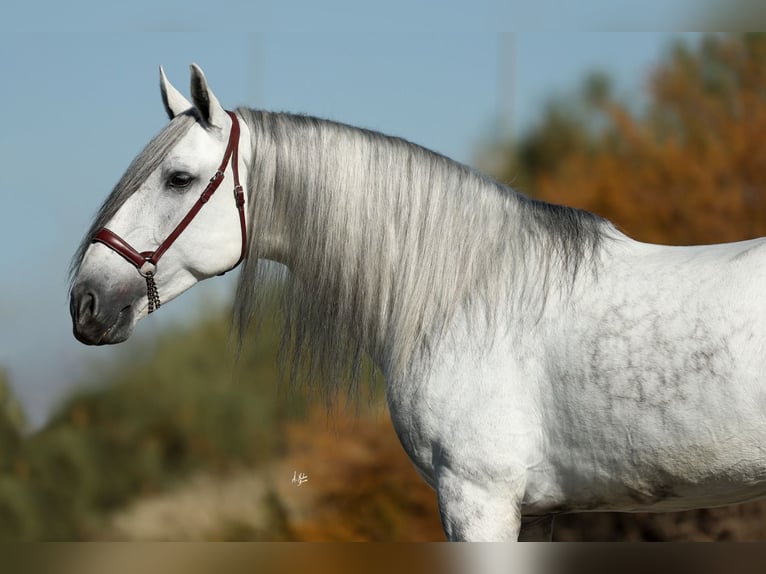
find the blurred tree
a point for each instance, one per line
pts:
(689, 169)
(568, 126)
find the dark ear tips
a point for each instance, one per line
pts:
(199, 92)
(205, 101)
(175, 103)
(164, 92)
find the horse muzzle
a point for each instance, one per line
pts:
(98, 319)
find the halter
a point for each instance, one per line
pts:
(146, 261)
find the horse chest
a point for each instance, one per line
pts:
(473, 408)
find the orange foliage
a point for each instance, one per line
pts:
(361, 485)
(693, 169)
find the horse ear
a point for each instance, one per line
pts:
(205, 100)
(173, 100)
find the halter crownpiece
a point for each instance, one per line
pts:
(146, 261)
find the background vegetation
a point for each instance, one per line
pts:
(186, 441)
(688, 168)
(149, 422)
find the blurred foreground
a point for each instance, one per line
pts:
(193, 443)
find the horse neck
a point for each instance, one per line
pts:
(386, 241)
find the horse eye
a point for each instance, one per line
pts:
(180, 180)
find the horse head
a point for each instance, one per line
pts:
(163, 228)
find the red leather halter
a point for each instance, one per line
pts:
(146, 261)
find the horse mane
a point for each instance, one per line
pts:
(386, 241)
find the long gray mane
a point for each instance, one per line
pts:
(386, 241)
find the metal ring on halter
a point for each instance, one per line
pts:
(147, 269)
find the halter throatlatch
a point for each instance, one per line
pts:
(146, 261)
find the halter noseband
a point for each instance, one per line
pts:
(146, 261)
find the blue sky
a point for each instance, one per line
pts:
(78, 106)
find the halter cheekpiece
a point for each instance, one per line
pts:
(146, 261)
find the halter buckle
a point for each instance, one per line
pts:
(239, 196)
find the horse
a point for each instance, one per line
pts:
(536, 359)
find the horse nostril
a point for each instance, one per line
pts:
(86, 306)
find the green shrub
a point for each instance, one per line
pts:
(20, 515)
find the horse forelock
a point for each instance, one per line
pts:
(387, 240)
